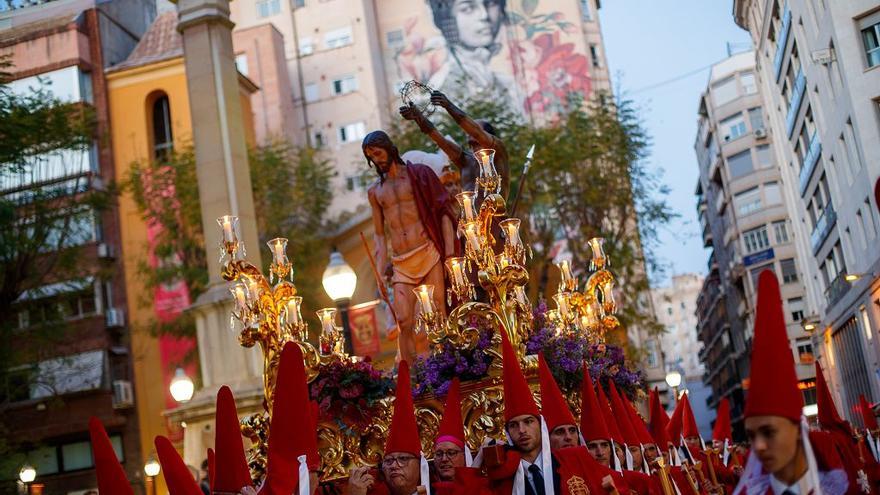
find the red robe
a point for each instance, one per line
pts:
(432, 202)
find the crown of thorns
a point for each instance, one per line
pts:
(418, 95)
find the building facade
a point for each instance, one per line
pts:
(64, 48)
(675, 307)
(818, 67)
(347, 60)
(745, 220)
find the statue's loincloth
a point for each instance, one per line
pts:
(414, 265)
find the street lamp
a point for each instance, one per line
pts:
(27, 474)
(181, 387)
(151, 469)
(339, 282)
(673, 379)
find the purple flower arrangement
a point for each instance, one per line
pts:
(566, 354)
(434, 372)
(349, 392)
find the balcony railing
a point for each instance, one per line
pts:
(836, 290)
(797, 96)
(782, 40)
(823, 227)
(810, 162)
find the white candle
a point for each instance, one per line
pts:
(561, 299)
(425, 299)
(240, 294)
(228, 234)
(457, 274)
(278, 251)
(468, 209)
(293, 315)
(470, 231)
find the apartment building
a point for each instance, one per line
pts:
(64, 46)
(745, 221)
(818, 69)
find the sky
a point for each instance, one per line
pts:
(649, 43)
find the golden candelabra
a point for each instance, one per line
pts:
(268, 312)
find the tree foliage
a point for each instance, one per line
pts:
(588, 179)
(291, 188)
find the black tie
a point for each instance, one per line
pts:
(537, 479)
(787, 492)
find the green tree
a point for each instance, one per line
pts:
(291, 188)
(588, 179)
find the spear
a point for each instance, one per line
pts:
(522, 179)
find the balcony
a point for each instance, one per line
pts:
(712, 264)
(810, 162)
(797, 96)
(707, 236)
(823, 227)
(782, 40)
(836, 290)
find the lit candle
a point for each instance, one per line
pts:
(253, 288)
(565, 270)
(466, 200)
(328, 320)
(455, 271)
(228, 223)
(596, 244)
(425, 293)
(486, 158)
(520, 293)
(511, 231)
(278, 246)
(561, 299)
(470, 232)
(239, 292)
(608, 293)
(294, 317)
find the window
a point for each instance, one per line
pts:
(796, 308)
(594, 56)
(748, 201)
(586, 13)
(357, 182)
(772, 195)
(318, 139)
(312, 92)
(352, 132)
(344, 85)
(747, 79)
(870, 228)
(241, 63)
(306, 47)
(394, 38)
(740, 164)
(653, 360)
(756, 118)
(338, 37)
(789, 271)
(724, 91)
(163, 141)
(669, 310)
(266, 8)
(805, 351)
(67, 457)
(866, 324)
(733, 127)
(780, 229)
(764, 158)
(871, 40)
(860, 230)
(298, 4)
(756, 239)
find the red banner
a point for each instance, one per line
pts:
(364, 329)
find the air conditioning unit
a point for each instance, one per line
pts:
(760, 133)
(106, 251)
(115, 317)
(123, 394)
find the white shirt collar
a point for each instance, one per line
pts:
(799, 487)
(538, 462)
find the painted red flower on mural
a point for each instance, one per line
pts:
(553, 72)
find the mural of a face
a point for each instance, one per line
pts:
(477, 21)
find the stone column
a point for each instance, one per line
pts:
(224, 188)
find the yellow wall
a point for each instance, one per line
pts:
(129, 91)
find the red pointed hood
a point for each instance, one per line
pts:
(722, 430)
(178, 477)
(593, 425)
(518, 399)
(638, 424)
(231, 472)
(291, 432)
(451, 427)
(659, 420)
(622, 417)
(403, 436)
(773, 384)
(867, 412)
(674, 427)
(554, 407)
(829, 419)
(610, 422)
(688, 422)
(111, 476)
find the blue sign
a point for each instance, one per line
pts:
(758, 257)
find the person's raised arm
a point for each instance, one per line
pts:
(468, 125)
(449, 147)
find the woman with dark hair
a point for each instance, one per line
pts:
(471, 29)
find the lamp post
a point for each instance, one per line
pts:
(27, 474)
(339, 282)
(673, 379)
(181, 387)
(151, 469)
